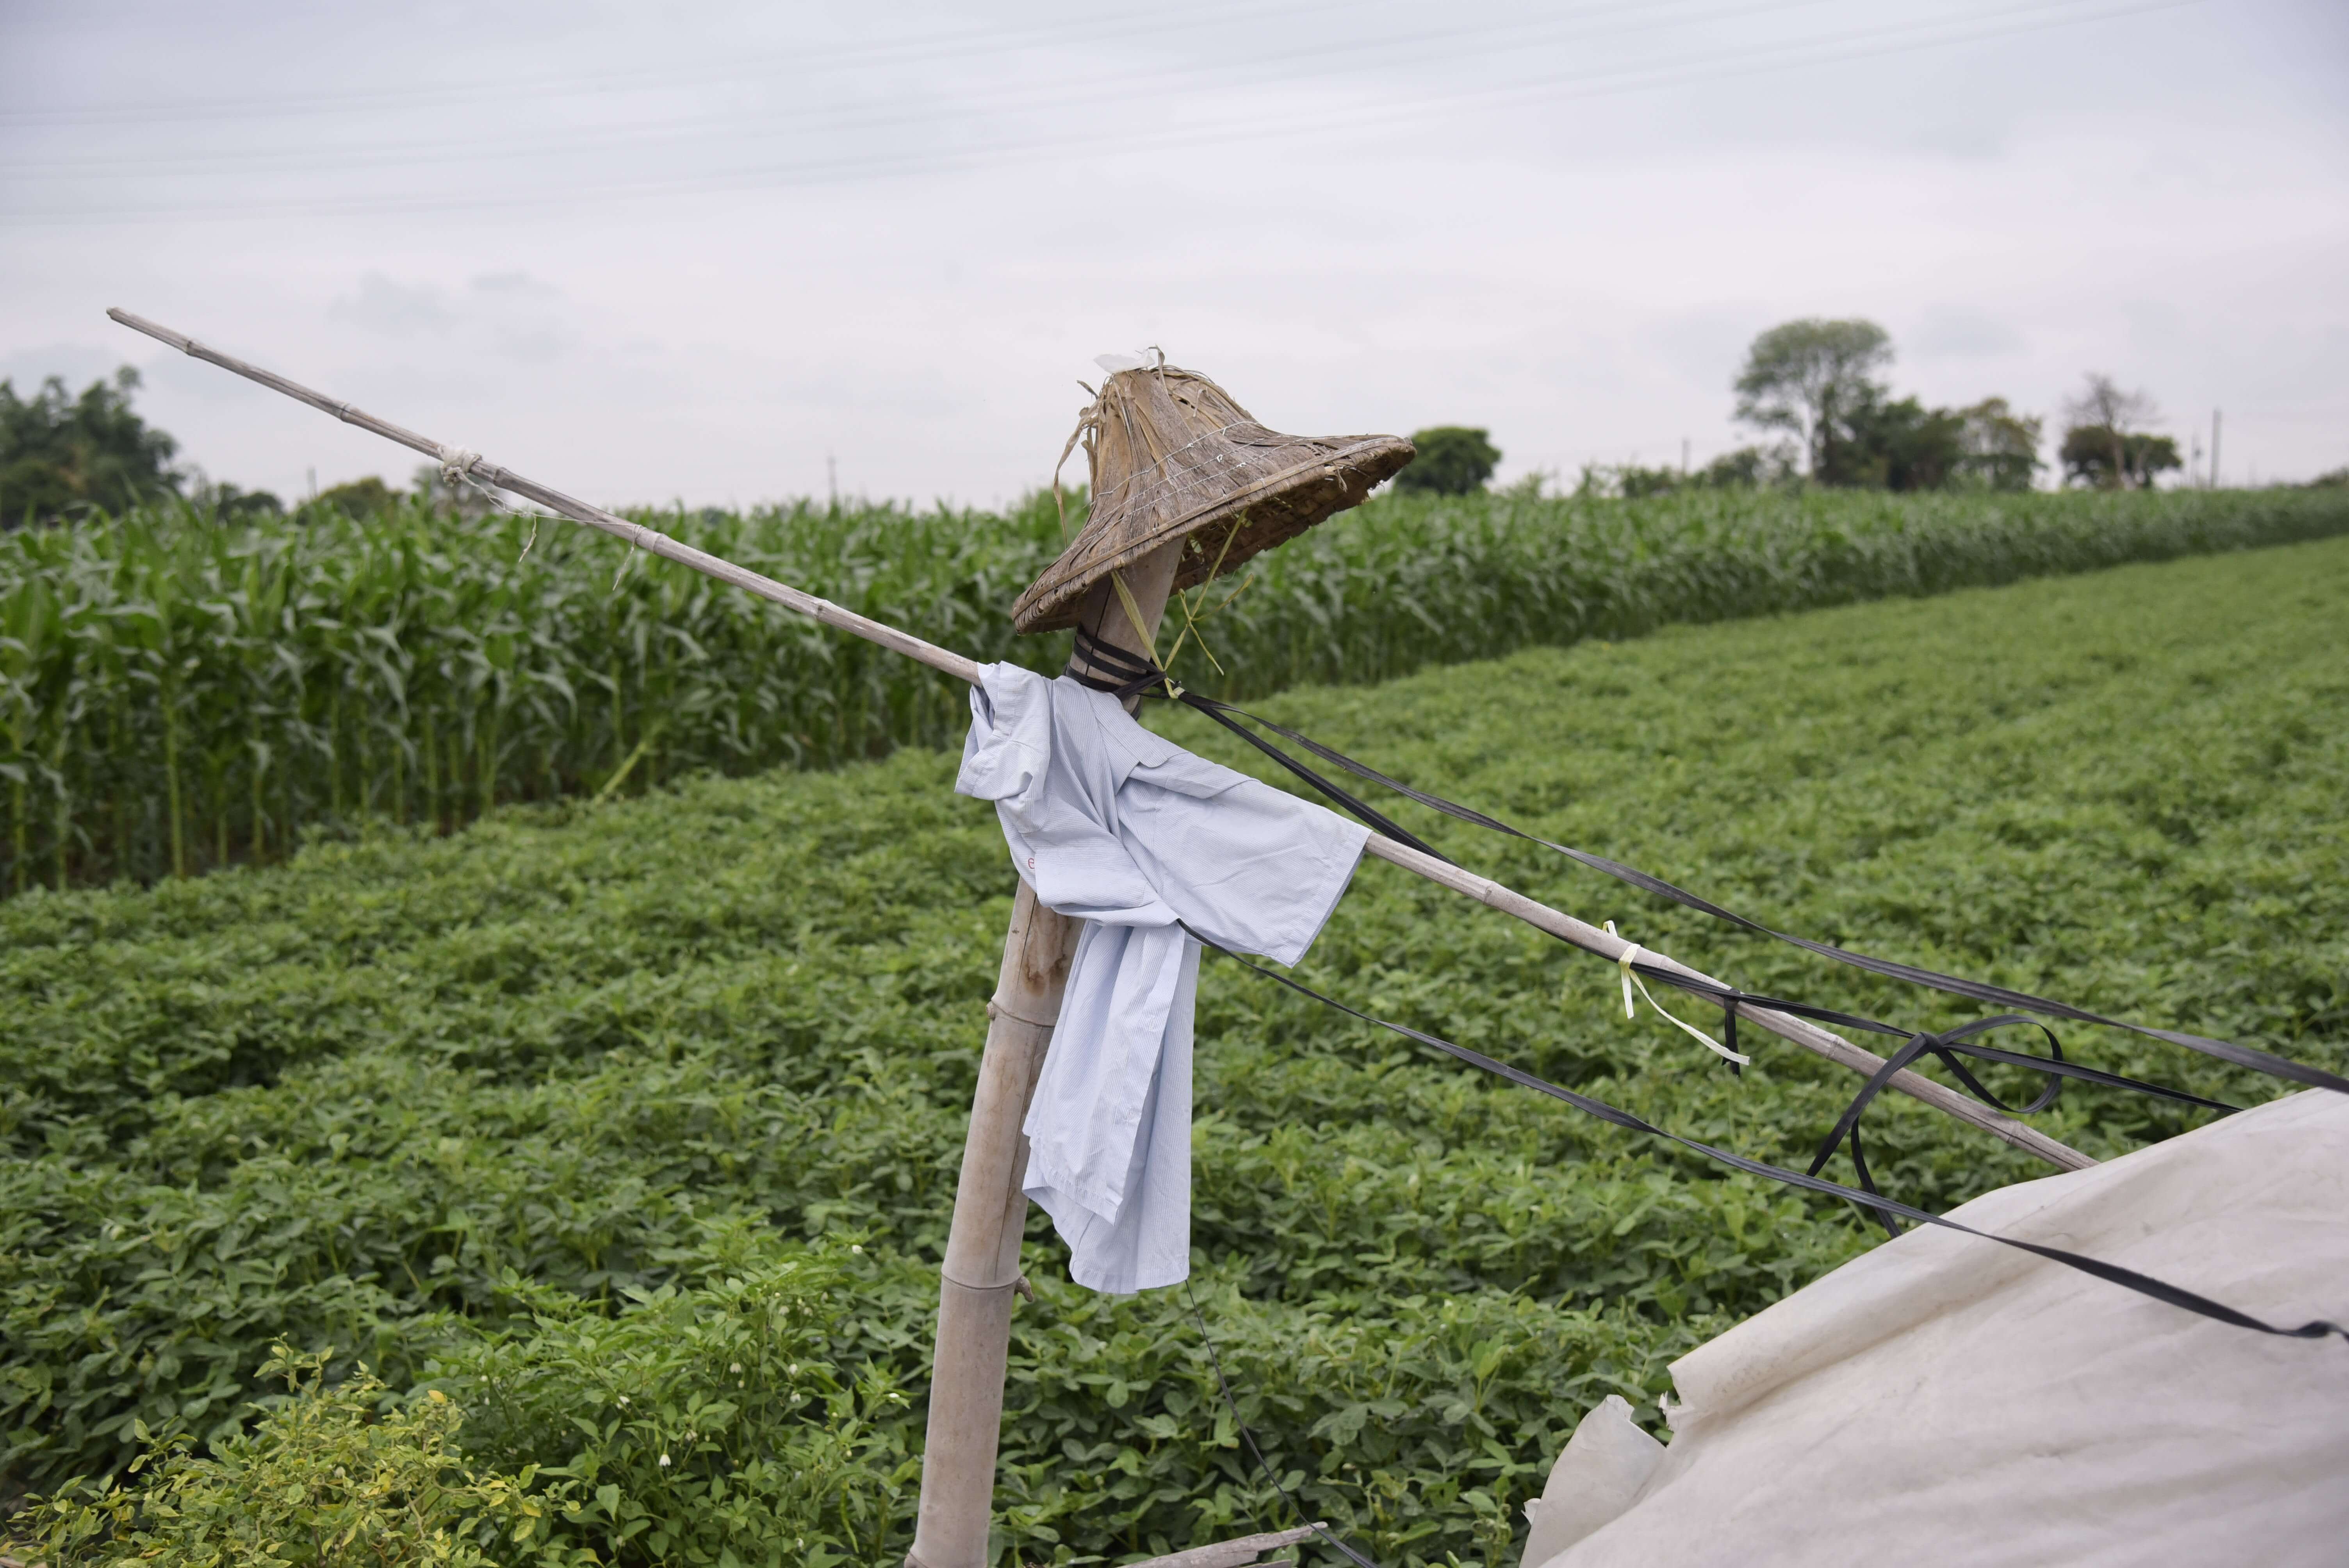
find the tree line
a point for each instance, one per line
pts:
(1817, 385)
(1818, 381)
(63, 454)
(60, 453)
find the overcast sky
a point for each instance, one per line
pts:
(655, 252)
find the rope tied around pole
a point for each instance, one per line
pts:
(457, 464)
(1632, 952)
(457, 467)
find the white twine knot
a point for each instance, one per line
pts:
(457, 469)
(1631, 953)
(636, 542)
(457, 465)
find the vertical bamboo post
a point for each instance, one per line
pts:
(982, 1261)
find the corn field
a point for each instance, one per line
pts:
(178, 695)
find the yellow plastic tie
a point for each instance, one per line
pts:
(1134, 613)
(1623, 963)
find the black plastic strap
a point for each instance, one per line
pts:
(2143, 1284)
(1947, 1047)
(1139, 677)
(1131, 676)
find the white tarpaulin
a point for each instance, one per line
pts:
(1945, 1399)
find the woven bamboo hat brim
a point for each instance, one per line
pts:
(1172, 457)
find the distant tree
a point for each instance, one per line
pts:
(1452, 459)
(1632, 482)
(1808, 377)
(1732, 469)
(226, 501)
(2104, 415)
(360, 498)
(1745, 467)
(1816, 379)
(1626, 481)
(1999, 447)
(2336, 478)
(58, 452)
(1896, 444)
(2088, 453)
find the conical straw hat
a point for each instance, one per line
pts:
(1172, 457)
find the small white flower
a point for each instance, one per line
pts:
(736, 1368)
(664, 1462)
(854, 1248)
(793, 1370)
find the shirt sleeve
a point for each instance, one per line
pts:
(1247, 866)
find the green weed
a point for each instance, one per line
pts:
(324, 1478)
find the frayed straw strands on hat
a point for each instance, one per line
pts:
(1172, 457)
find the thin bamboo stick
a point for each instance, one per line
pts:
(1808, 1036)
(1800, 1031)
(647, 538)
(1237, 1554)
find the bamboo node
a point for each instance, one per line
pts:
(996, 1009)
(1020, 1285)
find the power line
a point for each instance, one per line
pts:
(957, 45)
(1719, 66)
(1260, 67)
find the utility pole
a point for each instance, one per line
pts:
(831, 481)
(1684, 455)
(2214, 449)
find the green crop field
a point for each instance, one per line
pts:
(176, 695)
(629, 1130)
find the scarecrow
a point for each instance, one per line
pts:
(1134, 857)
(1126, 849)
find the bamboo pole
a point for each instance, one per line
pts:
(1809, 1036)
(981, 1270)
(1238, 1553)
(982, 1263)
(1799, 1031)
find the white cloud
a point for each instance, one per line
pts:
(1960, 332)
(513, 284)
(75, 364)
(395, 310)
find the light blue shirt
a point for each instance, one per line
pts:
(1130, 833)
